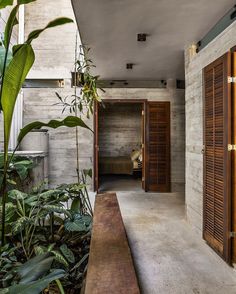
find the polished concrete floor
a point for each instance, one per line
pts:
(170, 258)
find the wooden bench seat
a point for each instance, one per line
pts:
(110, 267)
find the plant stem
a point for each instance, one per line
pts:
(88, 203)
(76, 109)
(51, 225)
(59, 285)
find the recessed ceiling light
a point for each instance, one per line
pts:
(141, 37)
(129, 65)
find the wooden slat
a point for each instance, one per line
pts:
(216, 157)
(158, 142)
(110, 267)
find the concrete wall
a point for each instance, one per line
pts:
(54, 51)
(176, 98)
(194, 66)
(120, 129)
(54, 58)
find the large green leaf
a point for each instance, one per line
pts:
(69, 255)
(4, 3)
(2, 58)
(35, 268)
(15, 75)
(56, 22)
(37, 286)
(11, 22)
(22, 168)
(76, 205)
(75, 226)
(25, 1)
(69, 121)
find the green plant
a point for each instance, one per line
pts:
(18, 169)
(14, 70)
(49, 229)
(33, 276)
(52, 223)
(81, 103)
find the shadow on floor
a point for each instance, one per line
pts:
(120, 183)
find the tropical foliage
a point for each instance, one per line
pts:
(54, 226)
(18, 170)
(45, 236)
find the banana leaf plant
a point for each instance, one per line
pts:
(16, 64)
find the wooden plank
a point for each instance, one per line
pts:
(110, 267)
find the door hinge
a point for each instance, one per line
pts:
(142, 179)
(232, 234)
(231, 147)
(142, 112)
(231, 80)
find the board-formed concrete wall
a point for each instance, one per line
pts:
(194, 120)
(176, 98)
(120, 129)
(54, 51)
(55, 58)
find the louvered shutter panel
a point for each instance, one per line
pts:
(216, 156)
(158, 146)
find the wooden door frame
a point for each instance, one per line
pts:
(95, 147)
(96, 138)
(233, 165)
(227, 170)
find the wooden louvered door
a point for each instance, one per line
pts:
(217, 158)
(158, 146)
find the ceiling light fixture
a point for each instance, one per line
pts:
(141, 37)
(129, 65)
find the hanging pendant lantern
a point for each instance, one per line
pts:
(77, 79)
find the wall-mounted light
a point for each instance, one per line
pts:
(44, 83)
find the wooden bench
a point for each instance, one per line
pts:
(110, 267)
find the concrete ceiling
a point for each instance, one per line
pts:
(110, 28)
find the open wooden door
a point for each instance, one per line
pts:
(96, 148)
(217, 157)
(158, 147)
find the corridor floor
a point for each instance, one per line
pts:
(170, 258)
